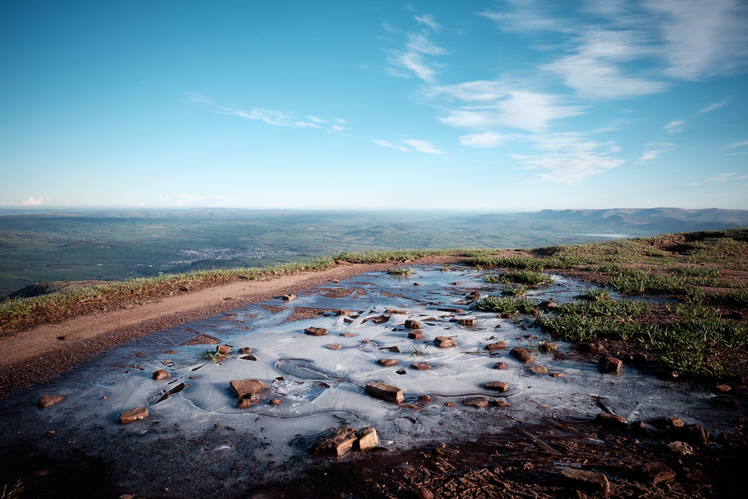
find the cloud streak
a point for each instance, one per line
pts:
(417, 145)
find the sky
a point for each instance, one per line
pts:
(492, 106)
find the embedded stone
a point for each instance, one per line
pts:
(680, 448)
(416, 334)
(499, 345)
(611, 420)
(538, 369)
(412, 324)
(132, 415)
(590, 480)
(274, 401)
(445, 342)
(522, 354)
(47, 400)
(500, 365)
(657, 472)
(223, 349)
(385, 392)
(289, 297)
(316, 331)
(387, 362)
(245, 350)
(497, 386)
(338, 444)
(421, 366)
(610, 365)
(367, 438)
(423, 399)
(334, 346)
(466, 322)
(247, 388)
(479, 402)
(161, 374)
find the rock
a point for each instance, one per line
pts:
(723, 388)
(387, 362)
(479, 402)
(557, 374)
(445, 342)
(547, 347)
(694, 434)
(343, 312)
(248, 357)
(367, 438)
(500, 365)
(161, 374)
(657, 472)
(538, 369)
(244, 403)
(499, 345)
(392, 311)
(385, 392)
(245, 350)
(247, 388)
(501, 403)
(668, 423)
(347, 335)
(416, 334)
(338, 444)
(223, 350)
(497, 386)
(274, 401)
(424, 493)
(411, 324)
(466, 322)
(522, 354)
(288, 297)
(590, 480)
(474, 296)
(610, 420)
(316, 331)
(610, 365)
(548, 304)
(680, 448)
(423, 399)
(47, 400)
(412, 407)
(421, 366)
(134, 414)
(334, 346)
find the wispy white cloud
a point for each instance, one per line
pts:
(484, 140)
(742, 143)
(196, 98)
(526, 15)
(712, 107)
(702, 38)
(654, 150)
(569, 157)
(489, 104)
(32, 201)
(675, 126)
(413, 59)
(429, 21)
(417, 145)
(726, 177)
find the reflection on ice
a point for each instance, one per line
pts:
(322, 388)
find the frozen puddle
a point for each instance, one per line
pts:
(197, 434)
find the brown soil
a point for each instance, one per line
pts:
(524, 461)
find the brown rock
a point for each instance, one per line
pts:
(344, 312)
(557, 374)
(412, 407)
(445, 342)
(474, 296)
(547, 347)
(412, 324)
(161, 374)
(611, 420)
(336, 445)
(421, 366)
(334, 346)
(500, 365)
(244, 403)
(289, 297)
(548, 305)
(134, 414)
(223, 349)
(424, 493)
(668, 423)
(273, 401)
(466, 322)
(245, 350)
(590, 480)
(610, 365)
(247, 388)
(694, 434)
(479, 402)
(423, 399)
(522, 354)
(347, 335)
(497, 386)
(387, 362)
(657, 472)
(384, 392)
(501, 403)
(367, 438)
(416, 334)
(538, 369)
(499, 345)
(680, 448)
(316, 331)
(47, 400)
(723, 388)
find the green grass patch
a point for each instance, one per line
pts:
(527, 277)
(400, 271)
(505, 305)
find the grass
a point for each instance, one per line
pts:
(505, 305)
(12, 493)
(400, 271)
(527, 277)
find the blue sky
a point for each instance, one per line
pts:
(479, 106)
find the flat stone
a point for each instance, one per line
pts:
(500, 365)
(499, 345)
(423, 399)
(610, 365)
(657, 472)
(244, 403)
(338, 444)
(47, 400)
(316, 331)
(522, 354)
(668, 423)
(538, 369)
(334, 346)
(275, 401)
(134, 414)
(497, 386)
(387, 362)
(367, 438)
(421, 366)
(245, 350)
(466, 322)
(474, 296)
(223, 349)
(347, 335)
(590, 480)
(479, 402)
(416, 334)
(680, 448)
(385, 392)
(161, 374)
(611, 420)
(501, 403)
(412, 407)
(247, 388)
(413, 324)
(445, 342)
